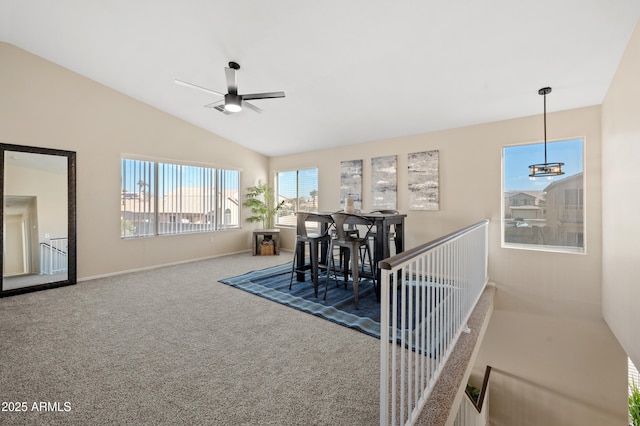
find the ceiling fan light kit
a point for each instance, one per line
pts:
(233, 101)
(545, 169)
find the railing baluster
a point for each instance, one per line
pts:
(423, 322)
(403, 345)
(444, 279)
(411, 366)
(394, 346)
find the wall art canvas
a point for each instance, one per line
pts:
(351, 182)
(423, 181)
(384, 183)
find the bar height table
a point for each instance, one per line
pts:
(382, 249)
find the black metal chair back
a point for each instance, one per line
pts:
(321, 219)
(346, 239)
(345, 224)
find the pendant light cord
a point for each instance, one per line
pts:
(545, 128)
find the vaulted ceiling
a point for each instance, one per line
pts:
(353, 71)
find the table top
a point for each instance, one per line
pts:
(370, 215)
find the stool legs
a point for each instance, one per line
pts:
(293, 266)
(355, 261)
(313, 253)
(313, 260)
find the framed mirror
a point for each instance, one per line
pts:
(38, 187)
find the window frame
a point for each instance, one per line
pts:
(296, 208)
(213, 196)
(582, 197)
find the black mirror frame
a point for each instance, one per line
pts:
(71, 216)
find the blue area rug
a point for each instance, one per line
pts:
(273, 284)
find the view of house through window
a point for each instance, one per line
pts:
(299, 190)
(544, 213)
(164, 198)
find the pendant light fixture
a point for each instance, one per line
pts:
(545, 169)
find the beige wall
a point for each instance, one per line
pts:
(547, 331)
(47, 106)
(621, 201)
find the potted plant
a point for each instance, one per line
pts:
(261, 200)
(634, 403)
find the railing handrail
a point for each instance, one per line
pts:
(53, 248)
(393, 261)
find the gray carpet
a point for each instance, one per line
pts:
(174, 346)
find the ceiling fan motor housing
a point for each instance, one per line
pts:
(232, 102)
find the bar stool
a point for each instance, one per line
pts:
(349, 244)
(313, 239)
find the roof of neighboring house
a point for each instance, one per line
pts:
(130, 203)
(189, 200)
(533, 193)
(564, 181)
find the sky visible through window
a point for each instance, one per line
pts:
(307, 181)
(135, 177)
(518, 158)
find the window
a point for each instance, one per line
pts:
(137, 210)
(299, 190)
(228, 198)
(164, 199)
(544, 213)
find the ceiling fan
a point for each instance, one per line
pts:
(233, 101)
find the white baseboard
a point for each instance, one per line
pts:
(146, 268)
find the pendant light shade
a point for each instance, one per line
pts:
(545, 169)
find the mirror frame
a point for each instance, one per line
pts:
(71, 216)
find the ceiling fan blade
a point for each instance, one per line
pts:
(215, 104)
(232, 80)
(221, 109)
(268, 95)
(204, 89)
(251, 106)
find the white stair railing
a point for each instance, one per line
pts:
(468, 414)
(53, 256)
(474, 411)
(430, 292)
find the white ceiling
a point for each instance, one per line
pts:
(352, 70)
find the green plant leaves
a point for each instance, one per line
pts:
(634, 403)
(260, 199)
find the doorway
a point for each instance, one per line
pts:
(20, 253)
